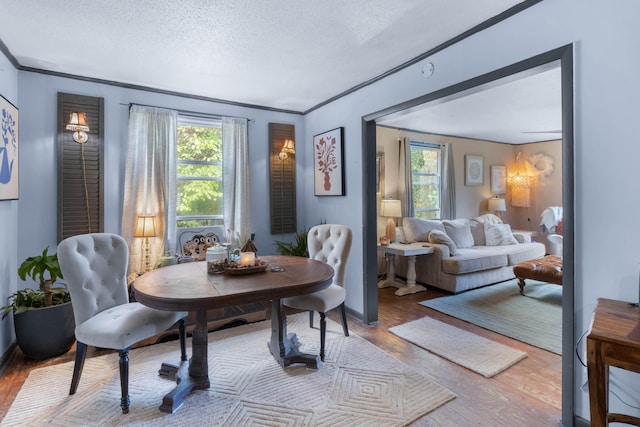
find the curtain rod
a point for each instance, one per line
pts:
(189, 113)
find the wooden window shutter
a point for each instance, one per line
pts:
(80, 175)
(282, 180)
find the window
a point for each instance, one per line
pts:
(426, 182)
(199, 173)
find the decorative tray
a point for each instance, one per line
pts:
(238, 270)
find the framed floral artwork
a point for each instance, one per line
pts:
(473, 170)
(328, 168)
(8, 150)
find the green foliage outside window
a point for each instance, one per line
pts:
(425, 176)
(199, 176)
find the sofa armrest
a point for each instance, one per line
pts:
(522, 237)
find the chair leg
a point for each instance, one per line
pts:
(81, 353)
(182, 331)
(124, 380)
(323, 330)
(311, 319)
(343, 313)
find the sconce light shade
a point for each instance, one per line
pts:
(145, 226)
(289, 147)
(392, 209)
(78, 125)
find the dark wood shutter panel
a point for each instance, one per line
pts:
(72, 203)
(282, 181)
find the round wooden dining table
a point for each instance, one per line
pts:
(188, 287)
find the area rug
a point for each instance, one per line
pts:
(358, 384)
(535, 318)
(464, 348)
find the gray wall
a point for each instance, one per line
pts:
(606, 144)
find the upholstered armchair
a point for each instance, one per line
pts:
(94, 267)
(328, 243)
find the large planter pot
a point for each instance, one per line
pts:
(45, 332)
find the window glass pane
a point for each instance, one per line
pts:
(426, 180)
(199, 174)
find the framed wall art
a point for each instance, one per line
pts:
(498, 179)
(473, 170)
(8, 150)
(328, 167)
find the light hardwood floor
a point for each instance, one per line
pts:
(527, 394)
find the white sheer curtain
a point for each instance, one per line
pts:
(150, 181)
(404, 178)
(235, 149)
(448, 195)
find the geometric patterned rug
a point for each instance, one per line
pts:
(358, 384)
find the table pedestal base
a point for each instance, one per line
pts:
(411, 287)
(285, 347)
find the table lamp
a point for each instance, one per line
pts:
(391, 209)
(497, 205)
(145, 227)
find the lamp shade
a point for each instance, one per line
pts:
(145, 226)
(497, 205)
(391, 208)
(289, 146)
(77, 123)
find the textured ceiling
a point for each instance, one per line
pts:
(283, 54)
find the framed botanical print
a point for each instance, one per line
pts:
(473, 170)
(8, 150)
(328, 168)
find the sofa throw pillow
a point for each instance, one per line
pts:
(459, 231)
(499, 235)
(417, 230)
(489, 218)
(477, 231)
(437, 236)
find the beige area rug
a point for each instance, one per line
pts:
(464, 348)
(358, 384)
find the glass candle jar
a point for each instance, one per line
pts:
(216, 259)
(248, 259)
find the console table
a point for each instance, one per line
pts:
(410, 251)
(614, 340)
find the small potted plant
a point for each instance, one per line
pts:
(43, 317)
(296, 248)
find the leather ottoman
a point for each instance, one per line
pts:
(546, 269)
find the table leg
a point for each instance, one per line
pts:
(391, 273)
(193, 375)
(411, 287)
(598, 373)
(283, 347)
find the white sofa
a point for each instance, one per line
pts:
(468, 253)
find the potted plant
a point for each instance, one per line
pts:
(43, 317)
(295, 248)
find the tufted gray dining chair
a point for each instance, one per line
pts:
(329, 243)
(94, 267)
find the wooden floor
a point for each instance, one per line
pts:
(527, 394)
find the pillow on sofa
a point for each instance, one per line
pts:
(459, 231)
(417, 230)
(489, 219)
(499, 235)
(477, 231)
(437, 236)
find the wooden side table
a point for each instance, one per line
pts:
(614, 340)
(410, 251)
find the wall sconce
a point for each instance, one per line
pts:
(78, 125)
(497, 205)
(391, 209)
(289, 147)
(145, 227)
(520, 186)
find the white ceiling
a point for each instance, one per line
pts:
(282, 54)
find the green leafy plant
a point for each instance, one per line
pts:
(45, 270)
(295, 248)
